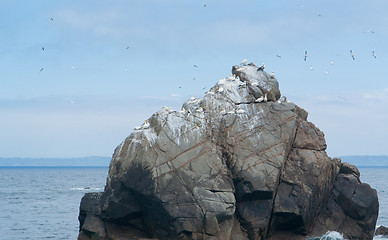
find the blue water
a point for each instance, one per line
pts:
(43, 203)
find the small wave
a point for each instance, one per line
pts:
(85, 189)
(331, 235)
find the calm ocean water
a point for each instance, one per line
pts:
(43, 203)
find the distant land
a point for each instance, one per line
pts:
(96, 161)
(56, 162)
(367, 160)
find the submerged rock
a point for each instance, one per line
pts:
(227, 166)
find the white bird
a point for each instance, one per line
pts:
(311, 68)
(260, 99)
(183, 110)
(240, 111)
(327, 72)
(146, 124)
(223, 111)
(332, 62)
(75, 68)
(272, 75)
(244, 62)
(220, 89)
(283, 99)
(265, 97)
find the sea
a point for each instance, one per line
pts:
(43, 202)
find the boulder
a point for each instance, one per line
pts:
(227, 166)
(382, 230)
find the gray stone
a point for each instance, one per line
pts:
(228, 167)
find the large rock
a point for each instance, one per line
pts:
(227, 166)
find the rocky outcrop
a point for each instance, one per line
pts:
(235, 164)
(382, 231)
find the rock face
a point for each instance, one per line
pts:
(236, 164)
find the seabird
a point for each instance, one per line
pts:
(126, 70)
(240, 111)
(260, 99)
(278, 56)
(327, 72)
(220, 89)
(195, 66)
(43, 48)
(52, 19)
(332, 62)
(311, 68)
(373, 54)
(75, 68)
(41, 69)
(244, 62)
(351, 53)
(272, 75)
(261, 68)
(204, 5)
(305, 56)
(265, 97)
(223, 112)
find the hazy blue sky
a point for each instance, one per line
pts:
(109, 64)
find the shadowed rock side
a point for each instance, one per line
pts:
(236, 164)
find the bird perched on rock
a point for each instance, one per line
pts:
(244, 62)
(261, 68)
(265, 98)
(260, 99)
(223, 111)
(272, 75)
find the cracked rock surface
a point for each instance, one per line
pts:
(235, 164)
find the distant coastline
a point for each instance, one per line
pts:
(94, 161)
(99, 161)
(367, 160)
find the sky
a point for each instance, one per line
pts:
(78, 76)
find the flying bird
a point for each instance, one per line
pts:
(52, 19)
(331, 62)
(195, 66)
(373, 54)
(278, 56)
(127, 47)
(351, 53)
(41, 69)
(204, 5)
(311, 68)
(43, 48)
(305, 56)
